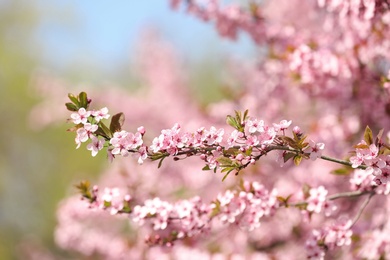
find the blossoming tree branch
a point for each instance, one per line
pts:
(315, 190)
(250, 140)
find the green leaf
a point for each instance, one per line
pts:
(297, 160)
(288, 156)
(224, 161)
(206, 168)
(341, 171)
(71, 107)
(282, 200)
(160, 162)
(302, 206)
(74, 99)
(379, 137)
(304, 145)
(230, 151)
(368, 136)
(356, 238)
(301, 139)
(75, 128)
(291, 142)
(231, 121)
(83, 100)
(117, 122)
(238, 116)
(228, 170)
(306, 191)
(103, 131)
(248, 152)
(157, 156)
(216, 209)
(84, 188)
(246, 114)
(361, 146)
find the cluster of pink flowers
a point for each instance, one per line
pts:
(187, 218)
(211, 142)
(247, 207)
(251, 139)
(172, 141)
(121, 143)
(319, 67)
(328, 238)
(317, 202)
(327, 68)
(229, 20)
(377, 245)
(377, 164)
(85, 132)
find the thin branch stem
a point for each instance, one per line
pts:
(349, 194)
(362, 207)
(346, 163)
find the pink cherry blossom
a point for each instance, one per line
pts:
(85, 133)
(234, 136)
(283, 125)
(124, 141)
(317, 201)
(96, 145)
(100, 114)
(142, 154)
(81, 116)
(315, 149)
(254, 125)
(328, 238)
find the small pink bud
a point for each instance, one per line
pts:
(141, 130)
(297, 130)
(247, 186)
(239, 157)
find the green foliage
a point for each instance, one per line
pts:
(82, 101)
(284, 200)
(79, 101)
(216, 209)
(287, 156)
(237, 122)
(342, 171)
(117, 122)
(84, 188)
(297, 160)
(368, 135)
(227, 166)
(306, 190)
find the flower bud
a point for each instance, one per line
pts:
(141, 130)
(297, 130)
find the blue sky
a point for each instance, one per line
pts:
(103, 32)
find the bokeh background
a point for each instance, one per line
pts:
(79, 42)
